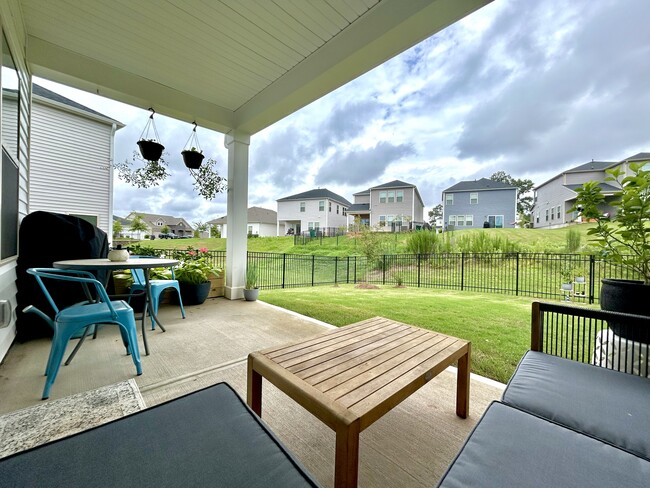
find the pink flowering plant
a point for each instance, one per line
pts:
(195, 267)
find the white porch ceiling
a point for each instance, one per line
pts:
(228, 64)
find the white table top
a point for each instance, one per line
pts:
(105, 263)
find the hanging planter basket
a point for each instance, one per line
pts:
(150, 148)
(192, 159)
(192, 154)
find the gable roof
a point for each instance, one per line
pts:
(359, 207)
(255, 215)
(314, 194)
(394, 184)
(482, 184)
(591, 166)
(167, 219)
(606, 187)
(642, 156)
(42, 92)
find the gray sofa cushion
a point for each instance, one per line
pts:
(609, 405)
(207, 438)
(509, 447)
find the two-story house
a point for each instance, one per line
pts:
(554, 198)
(320, 211)
(479, 203)
(391, 206)
(155, 222)
(262, 222)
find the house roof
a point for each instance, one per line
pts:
(591, 166)
(394, 184)
(255, 215)
(121, 220)
(359, 208)
(364, 192)
(42, 92)
(167, 219)
(482, 184)
(642, 156)
(252, 63)
(315, 194)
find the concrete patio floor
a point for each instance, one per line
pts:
(411, 446)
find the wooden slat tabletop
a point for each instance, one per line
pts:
(369, 367)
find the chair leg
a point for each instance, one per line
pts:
(180, 302)
(155, 298)
(129, 329)
(59, 343)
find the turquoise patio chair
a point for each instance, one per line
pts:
(157, 287)
(77, 317)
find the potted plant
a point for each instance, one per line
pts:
(251, 289)
(624, 239)
(193, 275)
(150, 149)
(192, 157)
(567, 279)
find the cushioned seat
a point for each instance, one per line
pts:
(606, 404)
(509, 447)
(206, 438)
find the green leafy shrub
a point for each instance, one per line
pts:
(573, 240)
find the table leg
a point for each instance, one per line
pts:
(462, 384)
(254, 389)
(150, 301)
(346, 463)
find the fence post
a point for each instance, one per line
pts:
(419, 262)
(347, 272)
(383, 279)
(336, 269)
(462, 271)
(313, 266)
(517, 277)
(284, 267)
(592, 278)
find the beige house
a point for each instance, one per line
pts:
(155, 222)
(261, 223)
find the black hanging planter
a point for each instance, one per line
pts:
(151, 150)
(192, 159)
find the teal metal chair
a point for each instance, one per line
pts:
(70, 320)
(157, 287)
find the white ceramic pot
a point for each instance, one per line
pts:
(118, 255)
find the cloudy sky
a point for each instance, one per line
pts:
(527, 87)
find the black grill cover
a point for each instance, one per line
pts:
(43, 238)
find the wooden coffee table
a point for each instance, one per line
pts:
(350, 377)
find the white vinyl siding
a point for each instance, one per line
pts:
(70, 164)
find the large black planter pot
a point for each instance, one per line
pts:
(151, 150)
(192, 159)
(194, 294)
(626, 296)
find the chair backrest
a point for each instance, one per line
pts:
(85, 278)
(138, 274)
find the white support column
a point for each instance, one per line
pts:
(237, 213)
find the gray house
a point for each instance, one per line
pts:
(319, 210)
(479, 203)
(392, 206)
(555, 197)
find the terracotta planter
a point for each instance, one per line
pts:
(151, 150)
(192, 159)
(194, 294)
(626, 296)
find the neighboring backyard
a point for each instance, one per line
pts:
(498, 326)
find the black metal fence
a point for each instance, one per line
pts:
(536, 275)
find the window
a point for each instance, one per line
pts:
(547, 214)
(250, 230)
(469, 220)
(330, 206)
(88, 218)
(390, 218)
(559, 209)
(321, 206)
(537, 217)
(313, 225)
(452, 220)
(345, 211)
(382, 197)
(473, 198)
(495, 221)
(382, 220)
(460, 220)
(302, 206)
(552, 213)
(391, 196)
(337, 210)
(449, 198)
(399, 196)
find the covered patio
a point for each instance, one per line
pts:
(411, 446)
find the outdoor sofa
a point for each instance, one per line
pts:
(206, 438)
(560, 423)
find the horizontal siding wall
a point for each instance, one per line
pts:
(70, 164)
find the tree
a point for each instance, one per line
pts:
(137, 224)
(164, 229)
(214, 231)
(434, 214)
(117, 228)
(524, 196)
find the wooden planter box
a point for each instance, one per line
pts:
(216, 286)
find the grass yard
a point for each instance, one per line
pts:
(497, 325)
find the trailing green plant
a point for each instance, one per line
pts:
(141, 250)
(624, 238)
(573, 240)
(251, 277)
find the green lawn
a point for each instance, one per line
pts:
(498, 326)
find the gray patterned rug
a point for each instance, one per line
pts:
(54, 419)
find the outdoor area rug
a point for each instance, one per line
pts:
(54, 419)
